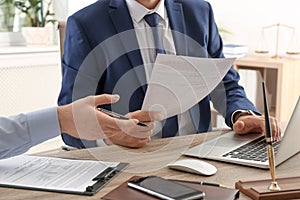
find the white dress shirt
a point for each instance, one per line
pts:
(147, 46)
(19, 133)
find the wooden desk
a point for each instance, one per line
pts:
(151, 160)
(282, 78)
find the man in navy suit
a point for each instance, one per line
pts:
(108, 49)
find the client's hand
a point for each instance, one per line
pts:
(133, 135)
(82, 119)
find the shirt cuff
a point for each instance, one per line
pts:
(243, 112)
(43, 125)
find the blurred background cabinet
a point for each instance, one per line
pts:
(282, 77)
(30, 78)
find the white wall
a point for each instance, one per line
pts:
(245, 19)
(75, 5)
(64, 8)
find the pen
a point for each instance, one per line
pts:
(201, 183)
(270, 150)
(65, 148)
(118, 116)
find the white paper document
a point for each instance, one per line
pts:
(49, 173)
(179, 82)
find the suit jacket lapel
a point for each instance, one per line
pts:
(123, 24)
(177, 23)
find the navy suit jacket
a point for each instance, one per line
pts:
(101, 55)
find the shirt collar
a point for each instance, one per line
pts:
(138, 11)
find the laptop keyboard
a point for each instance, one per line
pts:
(255, 150)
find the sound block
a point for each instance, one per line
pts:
(258, 189)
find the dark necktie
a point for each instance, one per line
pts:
(153, 20)
(170, 125)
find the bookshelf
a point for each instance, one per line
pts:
(282, 81)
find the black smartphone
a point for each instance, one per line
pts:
(165, 189)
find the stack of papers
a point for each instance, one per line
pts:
(56, 174)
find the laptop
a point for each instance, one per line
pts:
(238, 149)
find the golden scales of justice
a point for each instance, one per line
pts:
(263, 50)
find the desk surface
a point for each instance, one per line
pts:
(152, 160)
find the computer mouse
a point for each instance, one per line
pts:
(195, 166)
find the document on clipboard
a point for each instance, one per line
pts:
(57, 174)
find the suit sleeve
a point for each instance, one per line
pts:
(76, 50)
(78, 79)
(229, 96)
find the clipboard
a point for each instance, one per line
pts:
(104, 177)
(84, 177)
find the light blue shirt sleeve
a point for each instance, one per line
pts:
(19, 133)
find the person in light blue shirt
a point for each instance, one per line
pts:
(80, 119)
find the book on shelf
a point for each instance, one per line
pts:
(234, 50)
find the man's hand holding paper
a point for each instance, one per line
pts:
(179, 82)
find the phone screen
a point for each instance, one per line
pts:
(166, 189)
